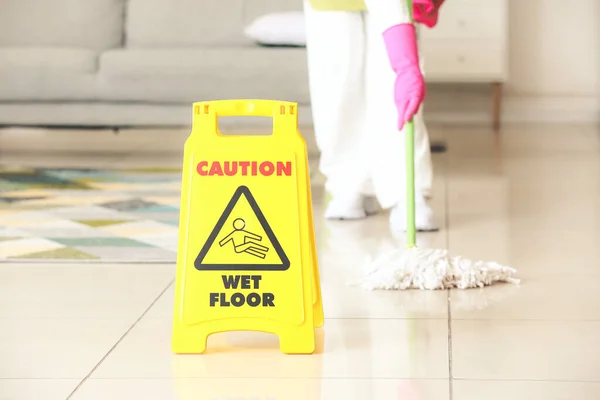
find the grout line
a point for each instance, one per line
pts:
(543, 380)
(275, 378)
(313, 378)
(120, 340)
(449, 302)
(450, 370)
(386, 318)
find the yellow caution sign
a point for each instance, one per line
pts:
(246, 257)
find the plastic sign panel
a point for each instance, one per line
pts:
(246, 256)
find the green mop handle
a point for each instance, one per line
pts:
(411, 229)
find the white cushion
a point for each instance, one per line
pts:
(93, 24)
(284, 28)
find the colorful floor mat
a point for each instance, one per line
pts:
(88, 214)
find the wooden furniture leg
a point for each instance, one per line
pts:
(497, 88)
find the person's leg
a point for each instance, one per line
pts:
(423, 164)
(335, 48)
(387, 145)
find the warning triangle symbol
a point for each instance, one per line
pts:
(242, 240)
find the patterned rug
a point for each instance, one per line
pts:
(88, 214)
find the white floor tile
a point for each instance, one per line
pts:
(347, 348)
(58, 291)
(36, 389)
(264, 389)
(539, 215)
(566, 297)
(526, 350)
(525, 390)
(56, 348)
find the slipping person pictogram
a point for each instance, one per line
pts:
(244, 241)
(254, 244)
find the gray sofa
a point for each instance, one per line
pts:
(136, 62)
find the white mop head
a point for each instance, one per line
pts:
(432, 269)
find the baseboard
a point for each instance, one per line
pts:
(552, 109)
(449, 107)
(476, 109)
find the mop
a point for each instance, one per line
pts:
(430, 269)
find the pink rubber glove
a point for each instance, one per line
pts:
(409, 89)
(426, 11)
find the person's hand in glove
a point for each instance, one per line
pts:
(426, 11)
(409, 89)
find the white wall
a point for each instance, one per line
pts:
(554, 47)
(554, 69)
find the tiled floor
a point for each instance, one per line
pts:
(531, 200)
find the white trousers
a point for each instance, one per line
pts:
(354, 114)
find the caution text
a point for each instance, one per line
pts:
(244, 168)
